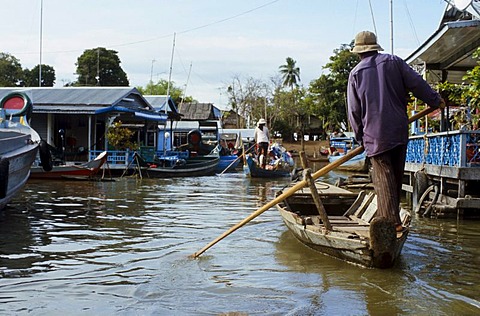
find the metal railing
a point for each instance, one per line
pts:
(455, 149)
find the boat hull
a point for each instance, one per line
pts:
(194, 167)
(357, 163)
(231, 162)
(356, 236)
(256, 172)
(85, 170)
(17, 154)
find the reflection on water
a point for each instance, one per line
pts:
(122, 248)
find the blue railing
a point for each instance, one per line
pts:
(456, 149)
(124, 157)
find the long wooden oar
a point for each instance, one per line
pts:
(298, 186)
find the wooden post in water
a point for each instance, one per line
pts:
(303, 159)
(307, 175)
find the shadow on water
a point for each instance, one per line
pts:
(122, 248)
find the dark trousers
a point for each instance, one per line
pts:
(263, 149)
(388, 168)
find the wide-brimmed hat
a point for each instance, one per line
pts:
(366, 41)
(261, 121)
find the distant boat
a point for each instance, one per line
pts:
(340, 146)
(19, 144)
(85, 170)
(269, 172)
(174, 166)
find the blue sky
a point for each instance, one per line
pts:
(221, 39)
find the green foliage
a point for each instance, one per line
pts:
(11, 72)
(466, 95)
(121, 137)
(100, 67)
(161, 87)
(284, 127)
(329, 92)
(30, 77)
(341, 63)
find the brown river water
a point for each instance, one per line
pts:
(122, 248)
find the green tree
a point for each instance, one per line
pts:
(121, 137)
(100, 67)
(161, 87)
(290, 73)
(30, 77)
(472, 92)
(291, 77)
(328, 93)
(466, 95)
(11, 72)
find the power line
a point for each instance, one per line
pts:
(373, 17)
(169, 35)
(412, 26)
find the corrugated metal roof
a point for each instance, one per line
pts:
(449, 48)
(158, 103)
(75, 95)
(197, 111)
(88, 100)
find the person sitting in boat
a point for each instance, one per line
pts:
(224, 150)
(262, 140)
(337, 133)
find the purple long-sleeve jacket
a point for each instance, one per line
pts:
(377, 101)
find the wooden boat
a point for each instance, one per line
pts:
(19, 145)
(269, 172)
(85, 170)
(340, 146)
(346, 228)
(173, 166)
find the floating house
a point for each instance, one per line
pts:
(443, 169)
(74, 120)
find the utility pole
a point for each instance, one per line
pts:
(391, 26)
(41, 42)
(98, 66)
(151, 77)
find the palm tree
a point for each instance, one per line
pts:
(291, 77)
(290, 73)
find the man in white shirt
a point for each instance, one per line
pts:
(262, 140)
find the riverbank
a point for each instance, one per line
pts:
(311, 148)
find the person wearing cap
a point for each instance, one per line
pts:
(377, 95)
(262, 140)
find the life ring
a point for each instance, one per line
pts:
(45, 156)
(4, 168)
(17, 104)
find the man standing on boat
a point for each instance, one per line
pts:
(377, 94)
(262, 140)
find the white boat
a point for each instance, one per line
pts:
(340, 146)
(19, 144)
